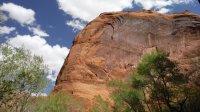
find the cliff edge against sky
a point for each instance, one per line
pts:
(111, 45)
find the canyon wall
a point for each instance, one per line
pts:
(111, 46)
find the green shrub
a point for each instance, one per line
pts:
(57, 102)
(100, 105)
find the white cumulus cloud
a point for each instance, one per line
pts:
(160, 5)
(6, 30)
(76, 24)
(38, 31)
(164, 10)
(53, 55)
(149, 4)
(3, 17)
(86, 10)
(19, 13)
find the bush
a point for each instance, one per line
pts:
(100, 105)
(57, 102)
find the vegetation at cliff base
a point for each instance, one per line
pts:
(57, 102)
(21, 75)
(23, 78)
(157, 85)
(100, 105)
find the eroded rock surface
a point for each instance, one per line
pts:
(112, 44)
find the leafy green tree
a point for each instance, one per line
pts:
(21, 74)
(157, 85)
(126, 98)
(163, 81)
(193, 102)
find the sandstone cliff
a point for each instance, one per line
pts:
(111, 45)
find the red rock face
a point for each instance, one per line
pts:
(112, 44)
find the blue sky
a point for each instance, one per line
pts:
(48, 27)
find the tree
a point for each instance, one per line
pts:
(163, 81)
(193, 102)
(157, 85)
(125, 98)
(21, 74)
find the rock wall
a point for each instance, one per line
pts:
(111, 46)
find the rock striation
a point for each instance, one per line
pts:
(111, 46)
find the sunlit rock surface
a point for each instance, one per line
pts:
(111, 46)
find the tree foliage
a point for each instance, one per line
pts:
(165, 84)
(157, 85)
(57, 102)
(21, 74)
(100, 105)
(126, 99)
